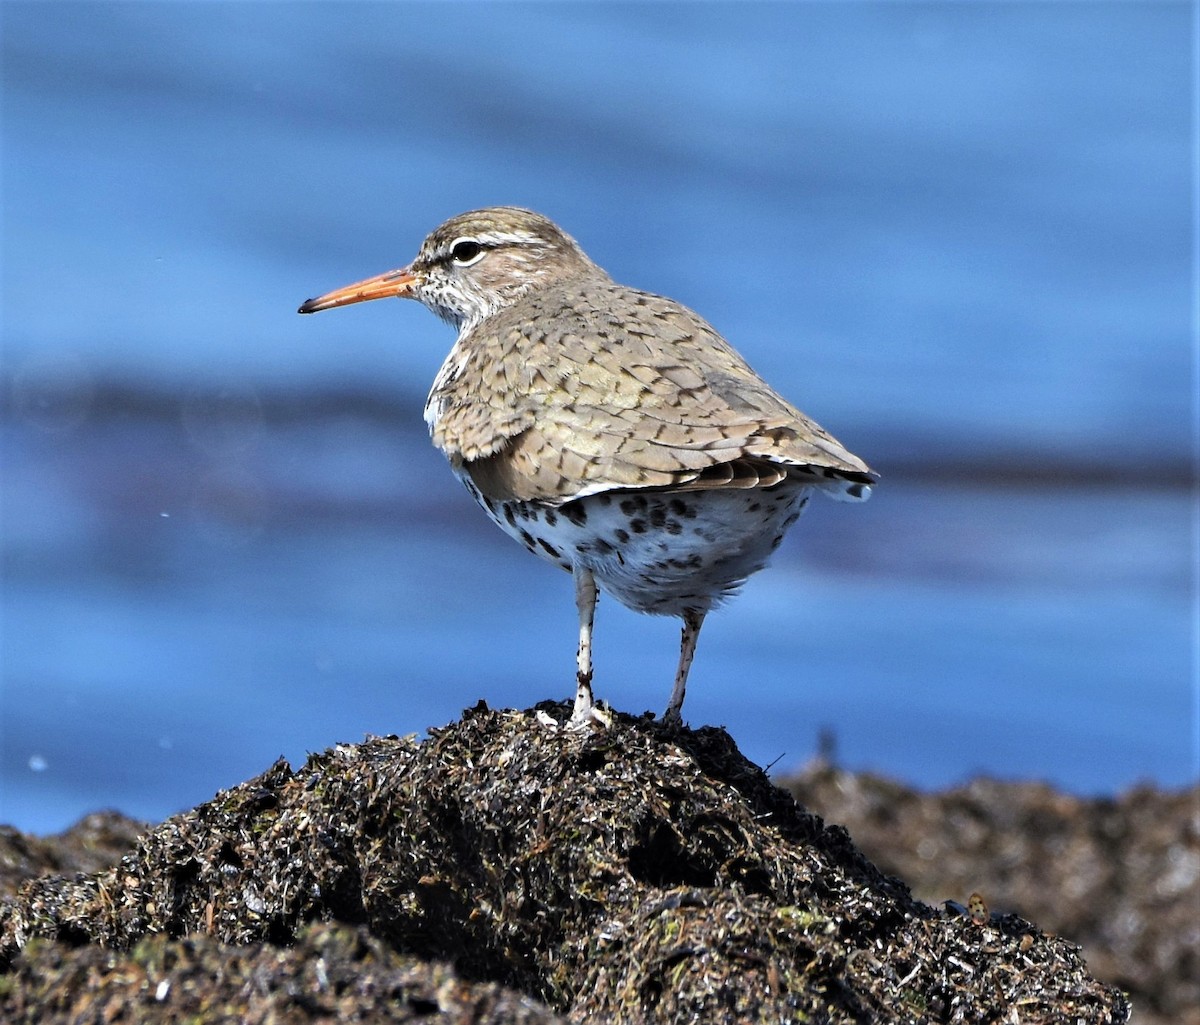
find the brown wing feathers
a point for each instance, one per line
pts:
(635, 392)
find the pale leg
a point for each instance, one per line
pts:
(692, 621)
(585, 602)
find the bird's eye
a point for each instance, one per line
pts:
(465, 252)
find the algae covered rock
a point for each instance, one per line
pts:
(639, 873)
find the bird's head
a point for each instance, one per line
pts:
(473, 265)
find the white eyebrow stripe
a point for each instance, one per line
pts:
(505, 238)
(490, 240)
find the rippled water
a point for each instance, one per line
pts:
(957, 235)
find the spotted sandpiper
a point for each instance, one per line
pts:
(610, 431)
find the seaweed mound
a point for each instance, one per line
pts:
(510, 869)
(1119, 875)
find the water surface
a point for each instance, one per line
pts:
(957, 235)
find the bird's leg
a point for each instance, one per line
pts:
(585, 602)
(693, 619)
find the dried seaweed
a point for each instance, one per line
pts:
(640, 873)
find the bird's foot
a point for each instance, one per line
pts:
(672, 716)
(586, 714)
(586, 710)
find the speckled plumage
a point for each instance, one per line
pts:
(611, 431)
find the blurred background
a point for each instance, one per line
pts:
(959, 236)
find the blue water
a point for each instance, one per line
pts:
(958, 235)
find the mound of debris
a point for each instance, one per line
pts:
(508, 869)
(1119, 875)
(95, 842)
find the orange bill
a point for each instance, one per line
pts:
(382, 286)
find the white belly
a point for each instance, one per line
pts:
(658, 552)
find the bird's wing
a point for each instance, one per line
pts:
(568, 394)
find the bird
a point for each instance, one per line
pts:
(610, 431)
